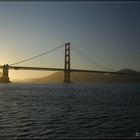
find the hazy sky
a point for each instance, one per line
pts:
(108, 32)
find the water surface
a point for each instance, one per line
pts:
(69, 110)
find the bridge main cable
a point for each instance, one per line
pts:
(89, 59)
(37, 55)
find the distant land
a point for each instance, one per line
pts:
(82, 77)
(127, 71)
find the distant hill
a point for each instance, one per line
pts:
(80, 77)
(127, 71)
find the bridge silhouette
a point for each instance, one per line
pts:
(67, 65)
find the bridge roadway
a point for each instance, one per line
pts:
(71, 70)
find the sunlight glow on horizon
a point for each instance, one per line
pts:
(27, 74)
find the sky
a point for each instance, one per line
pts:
(108, 32)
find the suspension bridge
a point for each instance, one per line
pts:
(67, 65)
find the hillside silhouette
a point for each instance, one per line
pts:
(127, 71)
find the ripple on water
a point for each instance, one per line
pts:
(77, 111)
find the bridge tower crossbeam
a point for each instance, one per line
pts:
(67, 64)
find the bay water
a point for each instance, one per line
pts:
(70, 110)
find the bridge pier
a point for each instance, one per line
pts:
(5, 75)
(67, 64)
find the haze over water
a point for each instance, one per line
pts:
(69, 110)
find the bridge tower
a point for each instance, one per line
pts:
(5, 76)
(67, 64)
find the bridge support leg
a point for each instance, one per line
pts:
(67, 64)
(5, 77)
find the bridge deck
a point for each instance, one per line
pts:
(71, 70)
